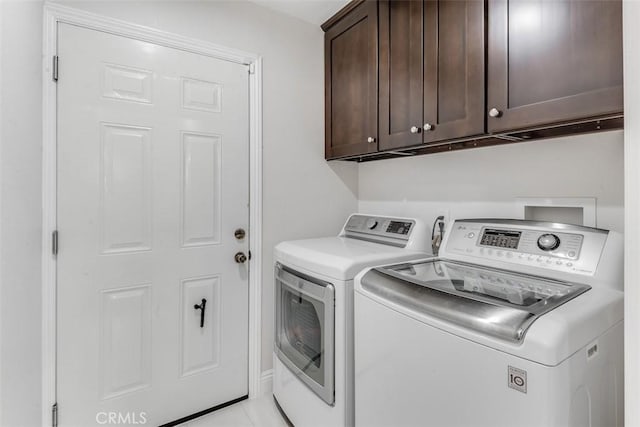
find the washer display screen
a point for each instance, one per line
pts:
(500, 238)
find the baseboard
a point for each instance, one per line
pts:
(266, 382)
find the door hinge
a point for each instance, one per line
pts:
(55, 68)
(54, 242)
(54, 415)
(252, 68)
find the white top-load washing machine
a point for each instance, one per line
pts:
(313, 349)
(517, 323)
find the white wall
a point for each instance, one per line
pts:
(631, 14)
(20, 212)
(485, 182)
(303, 195)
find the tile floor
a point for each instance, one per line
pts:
(261, 412)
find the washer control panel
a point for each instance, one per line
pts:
(538, 242)
(560, 247)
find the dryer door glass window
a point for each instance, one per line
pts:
(302, 320)
(305, 329)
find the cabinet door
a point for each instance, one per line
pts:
(553, 61)
(351, 84)
(400, 73)
(454, 46)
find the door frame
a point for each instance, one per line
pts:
(54, 14)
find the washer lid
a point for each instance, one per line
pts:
(340, 257)
(495, 302)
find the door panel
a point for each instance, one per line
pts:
(200, 190)
(553, 61)
(400, 73)
(431, 71)
(125, 188)
(351, 83)
(200, 346)
(453, 69)
(125, 340)
(152, 182)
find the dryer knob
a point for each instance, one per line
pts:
(548, 242)
(371, 224)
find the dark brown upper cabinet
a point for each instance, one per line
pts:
(552, 62)
(431, 68)
(351, 83)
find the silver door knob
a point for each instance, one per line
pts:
(240, 258)
(415, 129)
(371, 139)
(428, 126)
(494, 112)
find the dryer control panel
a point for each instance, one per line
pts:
(405, 233)
(550, 246)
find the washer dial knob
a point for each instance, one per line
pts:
(371, 224)
(548, 242)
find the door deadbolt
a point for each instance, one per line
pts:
(240, 233)
(240, 258)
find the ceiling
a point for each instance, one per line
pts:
(313, 11)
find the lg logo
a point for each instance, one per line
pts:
(120, 418)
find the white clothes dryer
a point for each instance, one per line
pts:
(517, 323)
(313, 348)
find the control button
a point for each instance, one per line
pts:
(549, 261)
(571, 254)
(471, 235)
(371, 224)
(539, 259)
(499, 253)
(559, 262)
(548, 242)
(490, 251)
(569, 264)
(509, 254)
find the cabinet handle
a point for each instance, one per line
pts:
(494, 112)
(415, 129)
(428, 126)
(371, 140)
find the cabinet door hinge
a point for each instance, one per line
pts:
(252, 68)
(54, 242)
(54, 415)
(55, 68)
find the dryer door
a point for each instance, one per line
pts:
(305, 326)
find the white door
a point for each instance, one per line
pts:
(152, 183)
